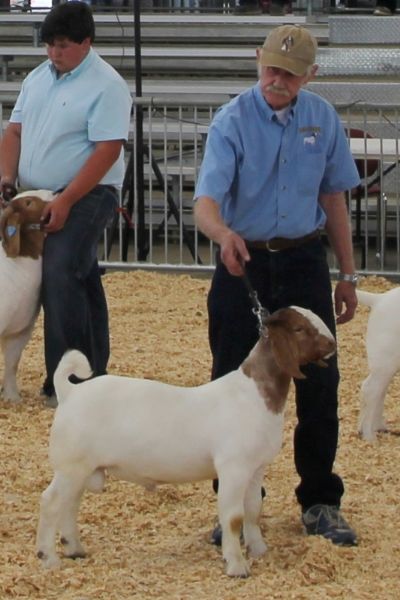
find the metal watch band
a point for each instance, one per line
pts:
(350, 277)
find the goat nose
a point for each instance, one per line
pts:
(331, 347)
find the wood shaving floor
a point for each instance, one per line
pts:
(145, 545)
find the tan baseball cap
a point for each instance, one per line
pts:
(289, 47)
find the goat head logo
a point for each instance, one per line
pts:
(287, 44)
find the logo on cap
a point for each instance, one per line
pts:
(287, 44)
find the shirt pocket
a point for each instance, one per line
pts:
(311, 163)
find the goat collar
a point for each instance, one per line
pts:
(12, 230)
(34, 227)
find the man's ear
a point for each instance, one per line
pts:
(10, 233)
(311, 74)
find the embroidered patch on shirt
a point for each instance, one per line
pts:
(310, 139)
(310, 128)
(312, 143)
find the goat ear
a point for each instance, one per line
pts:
(10, 233)
(285, 351)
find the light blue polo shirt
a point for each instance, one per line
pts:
(63, 118)
(266, 176)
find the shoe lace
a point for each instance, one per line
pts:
(333, 515)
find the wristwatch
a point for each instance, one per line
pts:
(350, 277)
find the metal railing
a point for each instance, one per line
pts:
(154, 228)
(160, 229)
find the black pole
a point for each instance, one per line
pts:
(141, 225)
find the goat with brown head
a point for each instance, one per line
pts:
(20, 280)
(229, 428)
(20, 228)
(297, 338)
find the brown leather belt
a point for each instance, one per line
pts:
(99, 186)
(279, 243)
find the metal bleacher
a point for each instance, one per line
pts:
(210, 49)
(176, 60)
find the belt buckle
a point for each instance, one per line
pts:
(269, 247)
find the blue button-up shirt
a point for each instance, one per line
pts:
(266, 176)
(63, 118)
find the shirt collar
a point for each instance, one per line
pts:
(83, 65)
(263, 105)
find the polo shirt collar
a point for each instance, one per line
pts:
(83, 65)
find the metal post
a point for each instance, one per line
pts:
(139, 171)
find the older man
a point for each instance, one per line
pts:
(275, 169)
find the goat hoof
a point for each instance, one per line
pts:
(12, 398)
(48, 562)
(368, 437)
(257, 549)
(238, 569)
(72, 550)
(75, 555)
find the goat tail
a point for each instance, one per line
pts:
(367, 298)
(72, 363)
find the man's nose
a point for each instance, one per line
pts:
(280, 76)
(55, 52)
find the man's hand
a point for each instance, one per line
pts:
(54, 215)
(234, 253)
(345, 301)
(208, 218)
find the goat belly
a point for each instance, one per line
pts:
(162, 461)
(151, 475)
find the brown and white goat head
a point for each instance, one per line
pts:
(298, 337)
(20, 229)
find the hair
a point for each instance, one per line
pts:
(309, 70)
(72, 20)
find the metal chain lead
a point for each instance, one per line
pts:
(260, 313)
(258, 310)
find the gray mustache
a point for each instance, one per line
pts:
(276, 90)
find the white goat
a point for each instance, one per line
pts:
(20, 279)
(383, 353)
(150, 433)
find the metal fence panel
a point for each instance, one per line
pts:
(158, 232)
(174, 137)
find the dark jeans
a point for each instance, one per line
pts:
(299, 276)
(73, 299)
